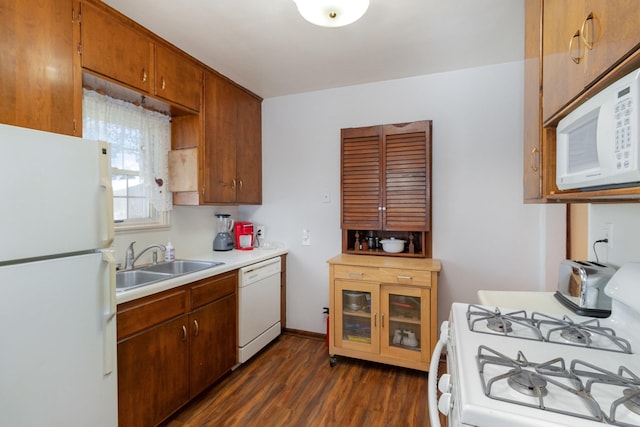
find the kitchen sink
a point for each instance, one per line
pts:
(130, 279)
(179, 267)
(146, 275)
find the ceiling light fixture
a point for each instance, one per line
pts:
(332, 13)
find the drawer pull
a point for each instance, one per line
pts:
(404, 277)
(144, 76)
(195, 324)
(375, 320)
(383, 320)
(184, 333)
(356, 273)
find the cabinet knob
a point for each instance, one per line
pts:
(184, 333)
(163, 83)
(144, 75)
(197, 328)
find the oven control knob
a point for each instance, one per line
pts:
(444, 403)
(444, 385)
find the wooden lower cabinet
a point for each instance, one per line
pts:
(153, 378)
(172, 346)
(383, 309)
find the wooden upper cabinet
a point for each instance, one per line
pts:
(249, 149)
(532, 167)
(232, 144)
(177, 79)
(582, 40)
(115, 50)
(386, 177)
(39, 85)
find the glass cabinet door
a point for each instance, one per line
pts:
(406, 323)
(357, 319)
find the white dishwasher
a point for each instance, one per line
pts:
(258, 306)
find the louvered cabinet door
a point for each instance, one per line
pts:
(361, 178)
(407, 176)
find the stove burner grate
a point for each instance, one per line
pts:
(587, 334)
(540, 383)
(505, 324)
(624, 382)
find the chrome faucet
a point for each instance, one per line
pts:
(131, 258)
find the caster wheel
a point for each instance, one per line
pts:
(332, 361)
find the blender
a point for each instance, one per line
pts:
(223, 240)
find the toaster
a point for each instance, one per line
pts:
(581, 287)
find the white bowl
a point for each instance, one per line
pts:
(392, 245)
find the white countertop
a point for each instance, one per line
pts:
(543, 302)
(232, 259)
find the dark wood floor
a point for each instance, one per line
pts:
(291, 383)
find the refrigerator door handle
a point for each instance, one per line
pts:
(106, 195)
(110, 312)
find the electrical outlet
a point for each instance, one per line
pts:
(306, 237)
(608, 234)
(260, 232)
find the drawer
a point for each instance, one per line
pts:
(403, 276)
(356, 272)
(144, 313)
(211, 289)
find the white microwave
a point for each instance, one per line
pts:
(597, 143)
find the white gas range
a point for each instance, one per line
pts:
(507, 367)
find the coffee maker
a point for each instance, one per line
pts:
(244, 235)
(223, 240)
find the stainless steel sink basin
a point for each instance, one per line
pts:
(179, 267)
(130, 279)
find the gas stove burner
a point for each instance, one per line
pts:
(632, 399)
(528, 383)
(575, 335)
(499, 324)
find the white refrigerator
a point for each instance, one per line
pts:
(57, 282)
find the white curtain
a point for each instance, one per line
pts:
(116, 121)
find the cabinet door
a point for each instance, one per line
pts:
(249, 149)
(178, 79)
(357, 321)
(114, 49)
(613, 32)
(153, 374)
(361, 178)
(213, 342)
(532, 167)
(406, 325)
(407, 176)
(563, 78)
(37, 66)
(219, 140)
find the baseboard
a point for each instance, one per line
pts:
(305, 334)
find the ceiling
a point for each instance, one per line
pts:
(268, 48)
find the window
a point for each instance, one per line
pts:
(140, 140)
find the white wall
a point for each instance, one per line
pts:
(483, 233)
(625, 237)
